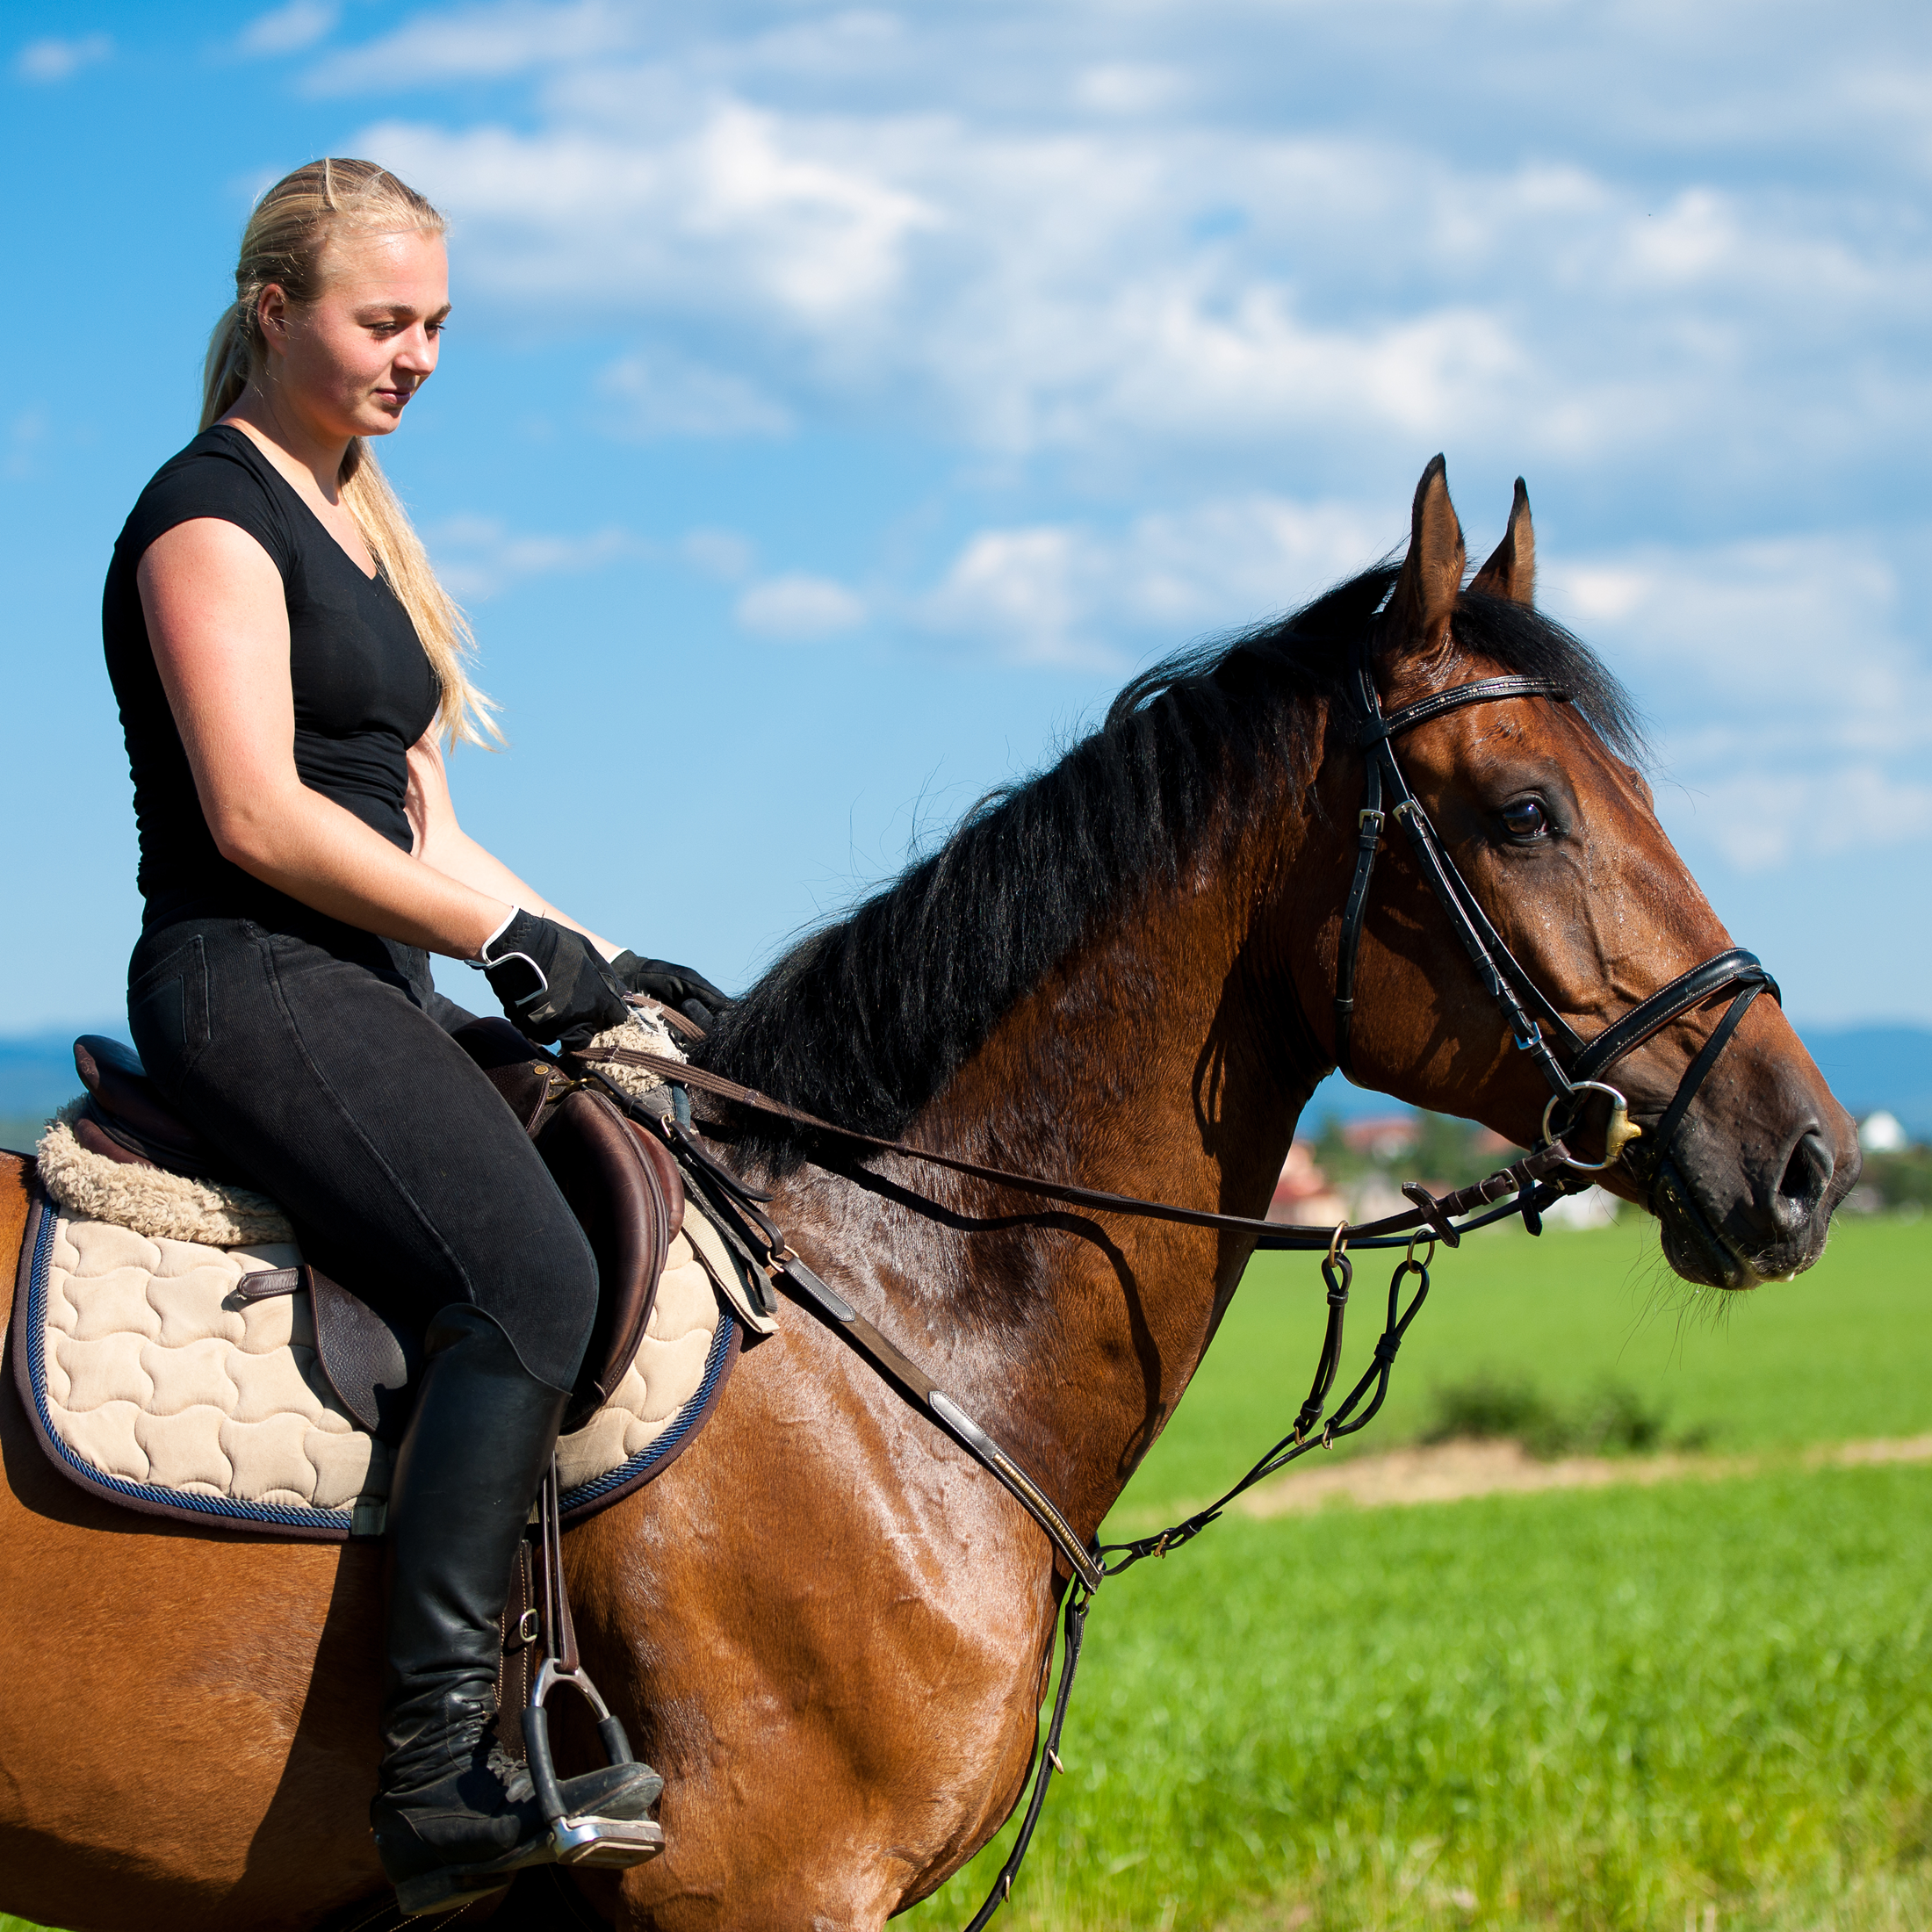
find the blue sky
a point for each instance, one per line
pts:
(840, 403)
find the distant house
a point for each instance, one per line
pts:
(1304, 1192)
(1382, 1137)
(1881, 1133)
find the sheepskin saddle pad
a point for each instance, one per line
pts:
(153, 1382)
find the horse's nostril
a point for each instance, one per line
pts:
(1807, 1175)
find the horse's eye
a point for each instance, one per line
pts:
(1525, 818)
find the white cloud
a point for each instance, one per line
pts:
(1794, 716)
(1071, 594)
(799, 609)
(1126, 87)
(725, 555)
(55, 60)
(1175, 285)
(1023, 595)
(1786, 646)
(664, 394)
(481, 43)
(290, 28)
(1763, 820)
(727, 215)
(478, 556)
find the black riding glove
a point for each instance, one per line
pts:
(552, 982)
(690, 993)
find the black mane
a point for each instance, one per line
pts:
(864, 1021)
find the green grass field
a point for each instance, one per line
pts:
(1843, 1351)
(1699, 1707)
(1611, 1709)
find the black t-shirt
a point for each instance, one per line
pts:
(364, 691)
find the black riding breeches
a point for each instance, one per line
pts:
(313, 1064)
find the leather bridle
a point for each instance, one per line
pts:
(1573, 1066)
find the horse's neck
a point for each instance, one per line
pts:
(1149, 1064)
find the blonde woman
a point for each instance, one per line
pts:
(288, 672)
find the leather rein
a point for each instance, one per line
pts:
(1572, 1066)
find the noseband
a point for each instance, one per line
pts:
(1573, 1066)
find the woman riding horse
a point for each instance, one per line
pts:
(288, 672)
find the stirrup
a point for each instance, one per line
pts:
(585, 1838)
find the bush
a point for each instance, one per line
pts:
(1898, 1180)
(1615, 1420)
(1490, 1408)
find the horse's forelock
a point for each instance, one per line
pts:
(1530, 645)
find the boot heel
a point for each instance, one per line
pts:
(447, 1886)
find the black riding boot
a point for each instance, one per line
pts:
(453, 1819)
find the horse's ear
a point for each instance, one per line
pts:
(1432, 574)
(1512, 572)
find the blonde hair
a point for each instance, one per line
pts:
(284, 244)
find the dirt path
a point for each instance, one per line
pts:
(1447, 1472)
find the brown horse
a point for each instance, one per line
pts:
(825, 1625)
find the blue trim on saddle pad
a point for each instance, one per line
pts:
(301, 1518)
(695, 1408)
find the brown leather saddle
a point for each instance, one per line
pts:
(622, 1184)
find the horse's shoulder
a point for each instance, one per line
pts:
(14, 1171)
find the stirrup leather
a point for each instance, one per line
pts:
(588, 1838)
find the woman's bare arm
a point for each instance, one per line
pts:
(441, 842)
(219, 623)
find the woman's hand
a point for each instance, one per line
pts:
(552, 982)
(690, 993)
(442, 843)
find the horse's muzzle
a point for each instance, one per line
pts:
(1756, 1206)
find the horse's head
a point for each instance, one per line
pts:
(1543, 810)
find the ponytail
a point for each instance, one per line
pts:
(225, 374)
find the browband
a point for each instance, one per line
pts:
(1376, 727)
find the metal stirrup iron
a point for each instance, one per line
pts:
(586, 1841)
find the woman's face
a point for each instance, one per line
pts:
(348, 362)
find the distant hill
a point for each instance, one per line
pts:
(1869, 1067)
(1873, 1067)
(36, 1070)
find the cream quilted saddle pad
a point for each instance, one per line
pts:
(150, 1383)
